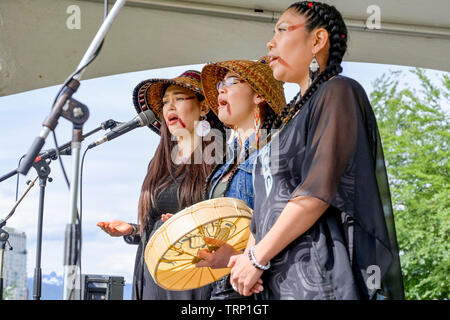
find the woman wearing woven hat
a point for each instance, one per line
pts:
(246, 97)
(174, 180)
(323, 226)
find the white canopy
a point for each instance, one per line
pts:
(40, 47)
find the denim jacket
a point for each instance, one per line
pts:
(241, 187)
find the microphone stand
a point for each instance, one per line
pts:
(8, 175)
(43, 169)
(77, 113)
(4, 235)
(71, 254)
(72, 233)
(64, 149)
(42, 166)
(69, 88)
(3, 240)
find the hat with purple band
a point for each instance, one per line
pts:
(149, 93)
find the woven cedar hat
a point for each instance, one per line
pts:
(257, 74)
(149, 93)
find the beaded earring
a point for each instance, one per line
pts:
(237, 136)
(314, 70)
(257, 124)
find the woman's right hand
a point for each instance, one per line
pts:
(116, 228)
(218, 258)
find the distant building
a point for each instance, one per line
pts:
(15, 266)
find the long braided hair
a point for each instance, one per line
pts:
(318, 15)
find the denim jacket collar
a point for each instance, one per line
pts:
(246, 165)
(235, 148)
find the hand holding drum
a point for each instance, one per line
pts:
(182, 255)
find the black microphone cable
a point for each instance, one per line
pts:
(70, 78)
(17, 182)
(80, 227)
(80, 222)
(79, 214)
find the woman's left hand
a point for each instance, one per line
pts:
(243, 274)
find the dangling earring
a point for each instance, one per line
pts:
(203, 127)
(257, 124)
(314, 70)
(237, 136)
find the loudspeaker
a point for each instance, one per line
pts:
(102, 287)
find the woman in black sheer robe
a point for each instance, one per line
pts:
(322, 226)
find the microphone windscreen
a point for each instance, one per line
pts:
(147, 117)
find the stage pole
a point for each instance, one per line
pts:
(72, 255)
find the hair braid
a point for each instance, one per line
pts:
(208, 181)
(284, 113)
(319, 15)
(269, 117)
(230, 178)
(235, 169)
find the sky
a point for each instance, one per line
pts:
(113, 172)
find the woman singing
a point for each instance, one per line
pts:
(174, 180)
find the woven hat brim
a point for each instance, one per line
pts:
(156, 91)
(211, 75)
(262, 82)
(140, 104)
(149, 93)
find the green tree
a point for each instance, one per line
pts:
(415, 132)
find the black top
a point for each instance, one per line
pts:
(330, 150)
(144, 287)
(219, 190)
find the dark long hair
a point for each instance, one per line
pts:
(161, 172)
(318, 15)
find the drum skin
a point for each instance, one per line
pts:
(171, 253)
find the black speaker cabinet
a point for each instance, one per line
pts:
(102, 287)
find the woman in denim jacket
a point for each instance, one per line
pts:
(241, 186)
(246, 97)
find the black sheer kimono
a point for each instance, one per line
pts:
(330, 150)
(144, 287)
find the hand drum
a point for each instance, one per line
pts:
(171, 253)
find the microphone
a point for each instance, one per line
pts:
(144, 118)
(66, 149)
